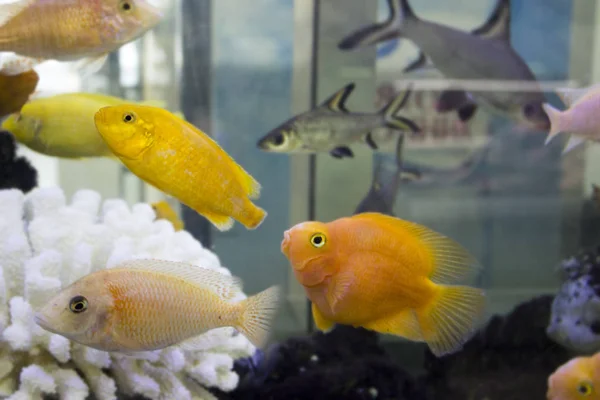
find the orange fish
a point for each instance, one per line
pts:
(387, 275)
(577, 379)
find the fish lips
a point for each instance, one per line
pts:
(286, 243)
(43, 322)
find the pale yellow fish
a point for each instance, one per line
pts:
(68, 30)
(62, 125)
(182, 161)
(145, 305)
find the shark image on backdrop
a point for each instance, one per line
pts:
(483, 55)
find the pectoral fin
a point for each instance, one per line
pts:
(322, 323)
(340, 286)
(341, 152)
(421, 63)
(403, 324)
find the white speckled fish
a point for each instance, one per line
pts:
(145, 305)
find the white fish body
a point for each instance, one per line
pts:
(146, 305)
(581, 119)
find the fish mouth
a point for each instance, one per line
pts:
(285, 243)
(42, 322)
(264, 143)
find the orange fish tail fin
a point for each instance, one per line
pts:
(257, 315)
(249, 184)
(251, 216)
(449, 319)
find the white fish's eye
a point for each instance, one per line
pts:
(78, 304)
(318, 240)
(280, 138)
(129, 117)
(126, 5)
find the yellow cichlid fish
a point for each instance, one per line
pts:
(145, 305)
(62, 125)
(182, 161)
(68, 30)
(163, 210)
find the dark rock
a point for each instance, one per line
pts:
(510, 359)
(15, 172)
(346, 363)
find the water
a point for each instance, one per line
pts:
(238, 69)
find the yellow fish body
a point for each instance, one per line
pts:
(145, 305)
(62, 125)
(67, 30)
(163, 210)
(182, 161)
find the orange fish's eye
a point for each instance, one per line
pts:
(126, 5)
(318, 240)
(129, 117)
(78, 304)
(585, 388)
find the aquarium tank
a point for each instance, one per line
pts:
(309, 199)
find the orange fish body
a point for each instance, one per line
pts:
(182, 161)
(15, 91)
(67, 30)
(387, 275)
(145, 305)
(577, 379)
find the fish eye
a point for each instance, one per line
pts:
(585, 388)
(317, 240)
(126, 5)
(279, 139)
(78, 304)
(128, 117)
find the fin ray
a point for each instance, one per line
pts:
(221, 222)
(497, 26)
(449, 320)
(574, 141)
(257, 316)
(225, 286)
(396, 122)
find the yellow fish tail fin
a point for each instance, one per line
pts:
(251, 186)
(251, 216)
(448, 321)
(221, 222)
(257, 315)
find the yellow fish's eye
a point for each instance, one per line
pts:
(585, 388)
(126, 5)
(129, 117)
(318, 240)
(78, 304)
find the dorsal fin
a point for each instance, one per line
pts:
(225, 286)
(497, 26)
(337, 102)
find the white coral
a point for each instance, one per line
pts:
(46, 244)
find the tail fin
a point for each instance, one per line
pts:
(555, 116)
(258, 314)
(448, 321)
(380, 32)
(251, 216)
(395, 122)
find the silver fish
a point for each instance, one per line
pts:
(332, 128)
(483, 54)
(384, 187)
